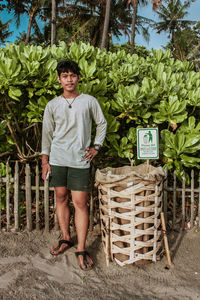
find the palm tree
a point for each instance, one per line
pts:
(134, 4)
(106, 24)
(32, 8)
(53, 23)
(90, 15)
(172, 17)
(4, 31)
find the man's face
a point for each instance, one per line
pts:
(69, 81)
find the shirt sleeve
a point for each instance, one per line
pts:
(47, 130)
(100, 121)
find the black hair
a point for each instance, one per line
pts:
(66, 66)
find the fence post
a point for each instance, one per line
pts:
(165, 194)
(56, 225)
(174, 201)
(7, 197)
(199, 201)
(16, 196)
(46, 205)
(183, 202)
(0, 198)
(28, 198)
(37, 196)
(192, 198)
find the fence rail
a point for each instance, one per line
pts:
(21, 199)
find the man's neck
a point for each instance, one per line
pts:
(70, 94)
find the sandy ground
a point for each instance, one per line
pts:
(28, 271)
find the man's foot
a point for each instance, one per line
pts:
(61, 247)
(84, 260)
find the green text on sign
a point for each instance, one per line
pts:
(147, 143)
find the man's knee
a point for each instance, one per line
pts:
(79, 199)
(80, 204)
(61, 196)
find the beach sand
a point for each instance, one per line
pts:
(28, 271)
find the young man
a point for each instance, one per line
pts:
(67, 153)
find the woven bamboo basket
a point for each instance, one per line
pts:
(130, 200)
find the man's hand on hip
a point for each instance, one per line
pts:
(90, 153)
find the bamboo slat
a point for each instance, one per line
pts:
(7, 197)
(56, 225)
(174, 201)
(16, 196)
(199, 201)
(192, 199)
(0, 203)
(37, 198)
(28, 198)
(183, 202)
(155, 225)
(91, 216)
(46, 205)
(0, 196)
(165, 194)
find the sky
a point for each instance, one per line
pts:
(157, 41)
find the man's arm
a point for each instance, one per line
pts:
(101, 123)
(47, 135)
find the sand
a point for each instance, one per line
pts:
(28, 271)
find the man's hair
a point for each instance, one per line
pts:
(68, 66)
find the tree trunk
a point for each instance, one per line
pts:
(53, 23)
(135, 9)
(106, 24)
(29, 27)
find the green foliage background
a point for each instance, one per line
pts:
(134, 91)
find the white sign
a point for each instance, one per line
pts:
(147, 143)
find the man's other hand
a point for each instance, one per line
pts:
(45, 169)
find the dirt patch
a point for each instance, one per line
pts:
(28, 271)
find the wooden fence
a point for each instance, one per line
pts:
(34, 205)
(188, 198)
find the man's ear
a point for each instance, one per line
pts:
(58, 78)
(79, 77)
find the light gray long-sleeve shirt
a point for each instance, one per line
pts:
(66, 131)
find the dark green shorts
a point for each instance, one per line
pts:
(74, 179)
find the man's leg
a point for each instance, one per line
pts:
(79, 199)
(63, 215)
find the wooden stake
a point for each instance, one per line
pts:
(91, 210)
(199, 202)
(37, 198)
(16, 196)
(165, 193)
(169, 263)
(7, 197)
(183, 202)
(56, 225)
(192, 199)
(0, 196)
(28, 199)
(174, 201)
(107, 241)
(46, 205)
